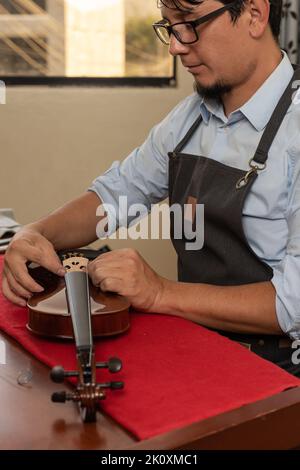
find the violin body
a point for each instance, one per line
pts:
(49, 313)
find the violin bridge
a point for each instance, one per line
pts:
(75, 263)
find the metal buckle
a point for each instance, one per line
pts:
(257, 166)
(254, 168)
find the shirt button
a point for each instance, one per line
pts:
(261, 342)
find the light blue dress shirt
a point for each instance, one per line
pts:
(271, 214)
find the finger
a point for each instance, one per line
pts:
(105, 265)
(119, 253)
(114, 255)
(20, 274)
(16, 287)
(45, 256)
(117, 259)
(101, 273)
(50, 260)
(110, 284)
(7, 292)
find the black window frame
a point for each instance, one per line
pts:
(59, 81)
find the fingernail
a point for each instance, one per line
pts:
(61, 272)
(22, 303)
(40, 289)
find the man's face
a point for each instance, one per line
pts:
(223, 55)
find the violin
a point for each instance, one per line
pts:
(73, 308)
(49, 311)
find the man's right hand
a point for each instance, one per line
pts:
(26, 246)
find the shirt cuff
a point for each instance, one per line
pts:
(287, 315)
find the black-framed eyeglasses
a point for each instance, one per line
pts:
(186, 31)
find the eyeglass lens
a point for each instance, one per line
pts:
(184, 33)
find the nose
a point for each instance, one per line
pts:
(176, 48)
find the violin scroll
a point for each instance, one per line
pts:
(88, 393)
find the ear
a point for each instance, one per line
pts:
(259, 11)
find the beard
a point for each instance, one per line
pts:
(215, 91)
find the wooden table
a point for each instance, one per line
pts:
(29, 420)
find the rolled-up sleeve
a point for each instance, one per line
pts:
(142, 177)
(286, 279)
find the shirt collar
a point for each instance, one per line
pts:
(259, 108)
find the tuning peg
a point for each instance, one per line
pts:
(58, 374)
(62, 397)
(112, 385)
(59, 397)
(116, 385)
(113, 364)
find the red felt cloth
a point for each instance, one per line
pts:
(175, 372)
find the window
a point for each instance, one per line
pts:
(82, 41)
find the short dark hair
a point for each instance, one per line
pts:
(235, 10)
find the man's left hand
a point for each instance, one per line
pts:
(125, 272)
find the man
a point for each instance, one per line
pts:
(245, 280)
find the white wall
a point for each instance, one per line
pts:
(55, 141)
